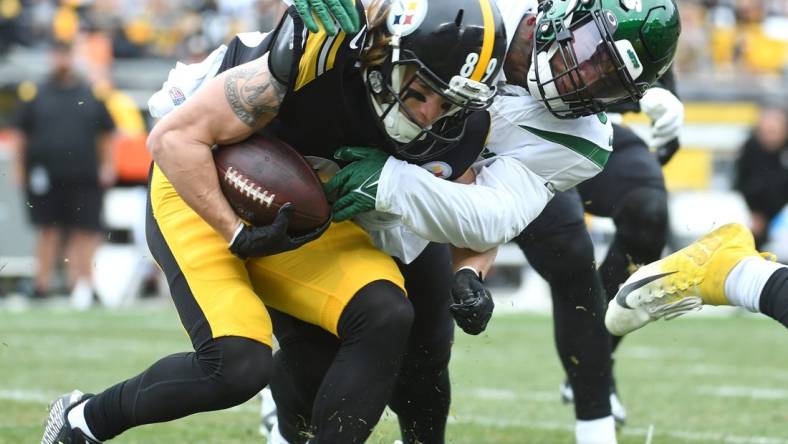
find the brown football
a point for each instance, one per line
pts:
(262, 173)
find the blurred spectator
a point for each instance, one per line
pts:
(182, 29)
(734, 37)
(64, 163)
(10, 10)
(762, 170)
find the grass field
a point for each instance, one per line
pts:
(698, 380)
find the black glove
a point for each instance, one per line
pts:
(666, 151)
(272, 239)
(473, 305)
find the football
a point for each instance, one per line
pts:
(262, 173)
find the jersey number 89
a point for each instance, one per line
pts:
(470, 65)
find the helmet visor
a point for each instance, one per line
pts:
(582, 73)
(591, 73)
(584, 69)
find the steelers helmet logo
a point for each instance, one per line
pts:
(438, 169)
(405, 16)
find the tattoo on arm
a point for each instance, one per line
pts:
(252, 91)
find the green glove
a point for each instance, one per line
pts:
(356, 185)
(344, 11)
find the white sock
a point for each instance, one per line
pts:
(596, 431)
(276, 437)
(745, 282)
(76, 417)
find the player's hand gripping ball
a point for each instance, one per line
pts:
(275, 191)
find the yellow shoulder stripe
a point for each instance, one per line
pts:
(307, 66)
(332, 55)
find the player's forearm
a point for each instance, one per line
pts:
(229, 108)
(505, 199)
(189, 167)
(481, 262)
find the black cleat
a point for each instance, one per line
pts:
(57, 429)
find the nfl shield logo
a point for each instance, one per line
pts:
(177, 96)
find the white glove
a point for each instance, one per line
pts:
(666, 113)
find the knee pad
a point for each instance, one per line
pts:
(380, 308)
(642, 224)
(395, 318)
(243, 366)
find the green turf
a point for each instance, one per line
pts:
(698, 380)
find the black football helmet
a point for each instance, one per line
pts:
(454, 47)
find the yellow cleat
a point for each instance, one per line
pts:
(681, 282)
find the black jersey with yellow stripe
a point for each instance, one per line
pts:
(326, 106)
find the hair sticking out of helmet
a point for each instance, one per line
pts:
(439, 54)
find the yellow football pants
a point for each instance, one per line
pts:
(313, 283)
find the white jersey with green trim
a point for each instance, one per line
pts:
(564, 152)
(530, 154)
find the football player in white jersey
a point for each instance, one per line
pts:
(548, 134)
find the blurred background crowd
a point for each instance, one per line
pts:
(732, 70)
(724, 37)
(184, 29)
(734, 37)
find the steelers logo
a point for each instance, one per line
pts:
(438, 169)
(405, 16)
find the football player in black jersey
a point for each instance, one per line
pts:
(402, 83)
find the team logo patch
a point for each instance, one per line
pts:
(438, 169)
(406, 16)
(177, 96)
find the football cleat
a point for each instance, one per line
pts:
(616, 407)
(681, 282)
(57, 429)
(618, 410)
(566, 392)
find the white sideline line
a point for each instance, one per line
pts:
(26, 396)
(728, 391)
(509, 395)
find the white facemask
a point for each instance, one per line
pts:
(397, 124)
